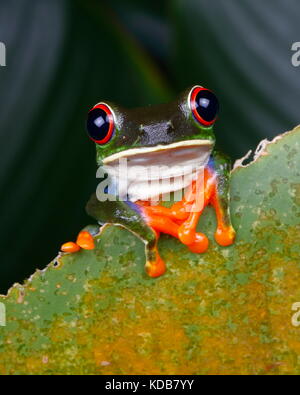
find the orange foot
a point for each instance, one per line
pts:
(84, 240)
(225, 235)
(155, 268)
(182, 218)
(200, 244)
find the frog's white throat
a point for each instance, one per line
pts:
(148, 173)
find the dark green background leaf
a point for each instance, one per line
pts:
(242, 50)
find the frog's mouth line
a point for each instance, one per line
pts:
(153, 171)
(143, 152)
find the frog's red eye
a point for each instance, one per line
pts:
(100, 124)
(204, 105)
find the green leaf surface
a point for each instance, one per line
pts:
(227, 311)
(63, 56)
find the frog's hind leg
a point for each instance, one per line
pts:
(130, 216)
(155, 266)
(216, 193)
(197, 242)
(177, 222)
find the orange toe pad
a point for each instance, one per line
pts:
(225, 236)
(70, 247)
(200, 244)
(85, 240)
(156, 268)
(186, 234)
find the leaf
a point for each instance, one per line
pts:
(228, 311)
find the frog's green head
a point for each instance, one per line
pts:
(186, 123)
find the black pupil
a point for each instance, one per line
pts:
(98, 124)
(207, 105)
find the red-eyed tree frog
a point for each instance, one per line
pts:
(173, 135)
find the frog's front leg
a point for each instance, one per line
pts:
(84, 240)
(215, 189)
(220, 164)
(194, 202)
(130, 216)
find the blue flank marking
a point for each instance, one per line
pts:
(133, 206)
(211, 163)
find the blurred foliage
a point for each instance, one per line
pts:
(65, 55)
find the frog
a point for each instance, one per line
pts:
(169, 136)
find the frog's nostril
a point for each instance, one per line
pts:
(170, 127)
(143, 135)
